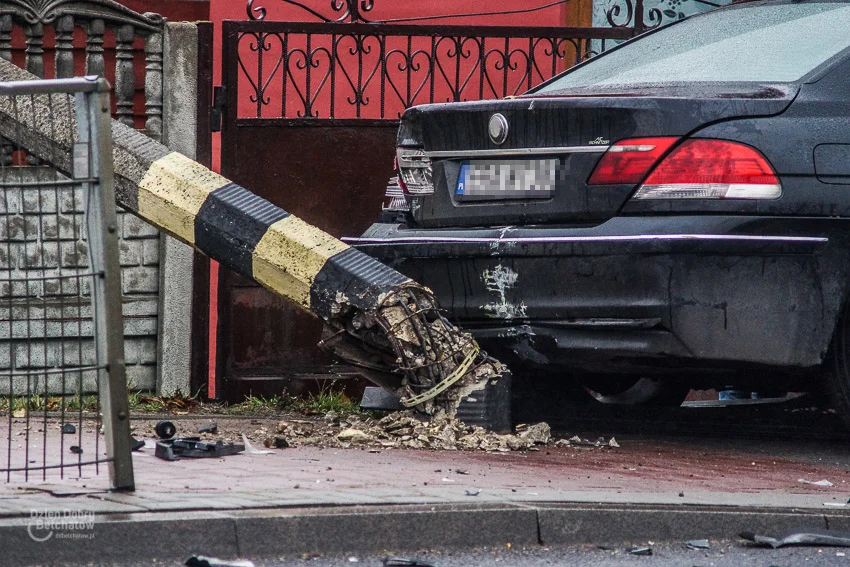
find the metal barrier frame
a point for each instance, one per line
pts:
(93, 170)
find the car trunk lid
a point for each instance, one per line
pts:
(563, 133)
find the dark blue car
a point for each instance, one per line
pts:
(672, 214)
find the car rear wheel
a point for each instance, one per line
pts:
(838, 368)
(637, 391)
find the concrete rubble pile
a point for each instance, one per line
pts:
(415, 352)
(407, 430)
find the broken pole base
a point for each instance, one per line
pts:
(489, 408)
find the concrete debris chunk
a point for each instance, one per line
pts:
(354, 436)
(581, 442)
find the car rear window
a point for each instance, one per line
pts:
(762, 44)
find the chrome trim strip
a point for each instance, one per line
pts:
(518, 151)
(573, 239)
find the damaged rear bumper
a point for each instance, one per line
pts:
(713, 289)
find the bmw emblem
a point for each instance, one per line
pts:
(498, 129)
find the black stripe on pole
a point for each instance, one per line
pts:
(231, 222)
(359, 277)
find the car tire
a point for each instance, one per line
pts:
(643, 392)
(838, 369)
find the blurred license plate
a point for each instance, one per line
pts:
(506, 179)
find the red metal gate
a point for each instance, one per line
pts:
(309, 122)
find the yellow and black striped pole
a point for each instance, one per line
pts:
(259, 240)
(357, 295)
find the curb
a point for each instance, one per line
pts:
(259, 533)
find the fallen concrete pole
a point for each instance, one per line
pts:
(376, 317)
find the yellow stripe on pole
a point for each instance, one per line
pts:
(289, 256)
(172, 191)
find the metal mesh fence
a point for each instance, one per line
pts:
(62, 383)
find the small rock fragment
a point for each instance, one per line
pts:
(276, 442)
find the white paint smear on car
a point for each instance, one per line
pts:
(498, 281)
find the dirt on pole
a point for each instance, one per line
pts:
(376, 318)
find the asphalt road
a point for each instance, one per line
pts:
(722, 554)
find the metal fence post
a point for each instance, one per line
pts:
(94, 134)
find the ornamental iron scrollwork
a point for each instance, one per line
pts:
(634, 14)
(289, 71)
(350, 11)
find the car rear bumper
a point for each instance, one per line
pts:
(721, 289)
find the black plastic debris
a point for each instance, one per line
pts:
(68, 428)
(461, 471)
(375, 398)
(136, 444)
(279, 443)
(194, 448)
(474, 492)
(402, 562)
(639, 551)
(698, 544)
(76, 450)
(201, 561)
(827, 538)
(165, 429)
(208, 428)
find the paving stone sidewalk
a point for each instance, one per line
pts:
(644, 470)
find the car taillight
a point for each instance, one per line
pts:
(414, 171)
(628, 161)
(397, 201)
(712, 169)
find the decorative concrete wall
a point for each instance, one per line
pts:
(41, 232)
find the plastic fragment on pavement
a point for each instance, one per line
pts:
(815, 482)
(201, 561)
(165, 429)
(828, 538)
(698, 544)
(194, 448)
(474, 492)
(402, 562)
(640, 551)
(251, 450)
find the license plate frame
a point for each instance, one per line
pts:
(506, 179)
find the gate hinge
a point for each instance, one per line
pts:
(217, 109)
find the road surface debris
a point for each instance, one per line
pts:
(827, 538)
